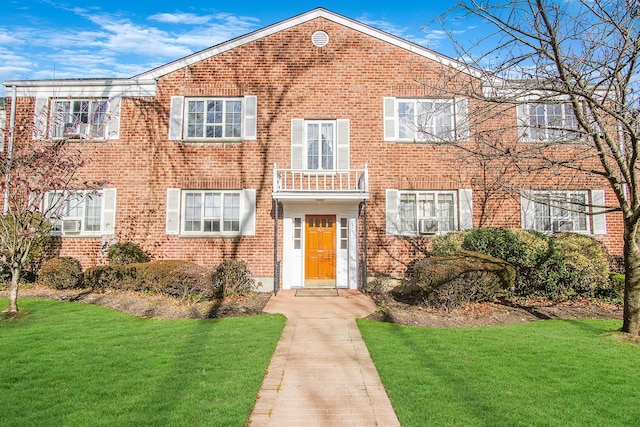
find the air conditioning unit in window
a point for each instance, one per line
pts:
(71, 226)
(76, 131)
(561, 225)
(428, 226)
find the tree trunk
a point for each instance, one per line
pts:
(13, 292)
(631, 322)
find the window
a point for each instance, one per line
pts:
(344, 233)
(81, 118)
(547, 122)
(81, 212)
(214, 118)
(211, 212)
(427, 212)
(558, 211)
(320, 145)
(425, 119)
(297, 233)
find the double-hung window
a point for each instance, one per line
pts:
(427, 212)
(81, 213)
(80, 118)
(211, 212)
(557, 211)
(321, 136)
(547, 122)
(214, 118)
(425, 119)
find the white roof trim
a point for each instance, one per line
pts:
(78, 88)
(300, 19)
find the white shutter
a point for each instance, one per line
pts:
(527, 213)
(250, 125)
(248, 220)
(297, 144)
(393, 207)
(389, 107)
(173, 211)
(343, 144)
(523, 122)
(598, 221)
(465, 199)
(40, 116)
(462, 119)
(109, 211)
(113, 123)
(175, 118)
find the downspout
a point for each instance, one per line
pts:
(9, 148)
(276, 266)
(364, 246)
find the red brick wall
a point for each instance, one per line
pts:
(294, 79)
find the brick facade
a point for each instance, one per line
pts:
(292, 78)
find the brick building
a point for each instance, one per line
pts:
(332, 121)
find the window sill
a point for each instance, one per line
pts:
(233, 235)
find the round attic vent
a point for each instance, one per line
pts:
(320, 38)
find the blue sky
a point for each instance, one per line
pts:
(44, 39)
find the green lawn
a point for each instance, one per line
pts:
(71, 364)
(550, 373)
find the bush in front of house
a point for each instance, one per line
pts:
(455, 280)
(175, 278)
(448, 244)
(586, 262)
(126, 253)
(233, 278)
(116, 277)
(558, 267)
(61, 273)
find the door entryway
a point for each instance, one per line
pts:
(320, 250)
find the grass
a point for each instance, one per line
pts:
(70, 364)
(551, 373)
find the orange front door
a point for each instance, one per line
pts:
(320, 250)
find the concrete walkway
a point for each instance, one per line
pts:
(321, 373)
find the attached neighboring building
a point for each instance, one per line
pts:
(295, 148)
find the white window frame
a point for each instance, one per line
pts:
(424, 122)
(321, 165)
(419, 211)
(78, 121)
(538, 122)
(226, 220)
(553, 211)
(223, 123)
(66, 208)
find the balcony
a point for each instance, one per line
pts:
(301, 184)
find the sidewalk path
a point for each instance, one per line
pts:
(321, 373)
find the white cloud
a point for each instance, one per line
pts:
(180, 18)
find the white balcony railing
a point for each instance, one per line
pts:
(320, 181)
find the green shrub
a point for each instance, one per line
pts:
(586, 262)
(233, 278)
(126, 253)
(455, 280)
(448, 244)
(61, 273)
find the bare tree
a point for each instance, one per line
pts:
(576, 64)
(40, 180)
